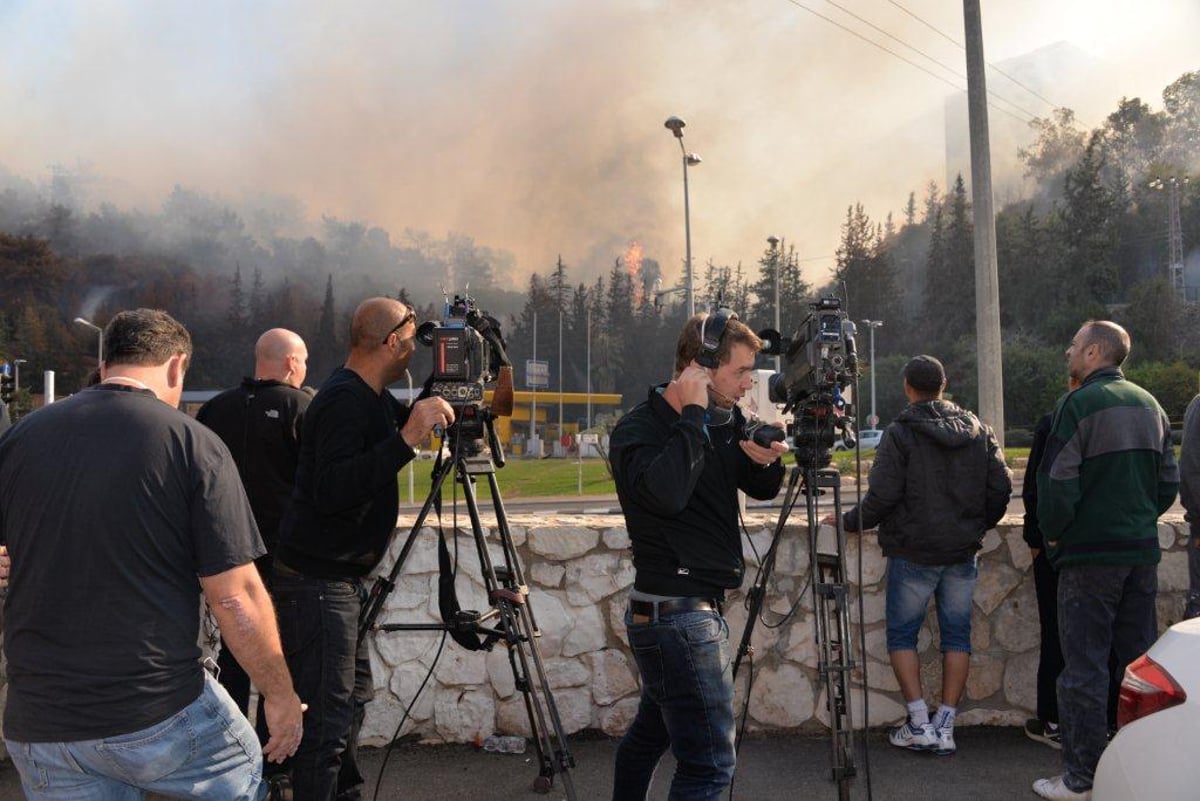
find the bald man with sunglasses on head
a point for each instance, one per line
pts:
(354, 440)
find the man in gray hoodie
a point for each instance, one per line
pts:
(937, 485)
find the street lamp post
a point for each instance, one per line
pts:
(872, 325)
(676, 125)
(17, 374)
(100, 333)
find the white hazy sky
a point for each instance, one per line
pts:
(536, 126)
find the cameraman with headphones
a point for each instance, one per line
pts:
(679, 459)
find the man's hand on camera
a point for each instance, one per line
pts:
(426, 414)
(763, 456)
(692, 386)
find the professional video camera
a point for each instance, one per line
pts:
(820, 362)
(469, 352)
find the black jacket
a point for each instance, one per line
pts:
(677, 481)
(259, 422)
(347, 498)
(938, 484)
(1041, 433)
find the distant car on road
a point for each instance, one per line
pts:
(868, 440)
(1153, 755)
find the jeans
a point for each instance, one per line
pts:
(1101, 609)
(909, 588)
(318, 623)
(686, 704)
(207, 750)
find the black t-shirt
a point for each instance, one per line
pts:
(111, 504)
(259, 422)
(347, 498)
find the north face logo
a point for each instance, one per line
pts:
(273, 414)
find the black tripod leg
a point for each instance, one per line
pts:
(758, 591)
(384, 585)
(549, 737)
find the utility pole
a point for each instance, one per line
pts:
(1174, 234)
(987, 282)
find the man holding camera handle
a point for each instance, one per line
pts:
(354, 440)
(679, 459)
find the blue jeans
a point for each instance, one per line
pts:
(318, 623)
(206, 750)
(687, 705)
(1100, 609)
(909, 588)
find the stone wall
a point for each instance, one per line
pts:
(578, 569)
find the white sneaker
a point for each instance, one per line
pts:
(1055, 790)
(913, 737)
(945, 741)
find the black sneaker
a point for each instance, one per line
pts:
(1044, 732)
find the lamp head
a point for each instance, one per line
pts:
(676, 125)
(693, 159)
(773, 241)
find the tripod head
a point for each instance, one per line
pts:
(465, 438)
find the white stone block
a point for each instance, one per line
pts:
(613, 676)
(460, 667)
(588, 633)
(615, 719)
(883, 709)
(991, 541)
(1166, 535)
(1173, 571)
(597, 576)
(1018, 550)
(461, 716)
(553, 619)
(782, 696)
(996, 581)
(499, 672)
(562, 672)
(547, 574)
(617, 538)
(562, 542)
(1020, 680)
(398, 647)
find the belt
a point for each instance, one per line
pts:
(649, 611)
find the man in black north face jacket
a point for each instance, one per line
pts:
(937, 485)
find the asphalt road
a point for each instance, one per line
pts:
(992, 764)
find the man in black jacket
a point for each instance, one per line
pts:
(937, 485)
(679, 459)
(354, 440)
(259, 421)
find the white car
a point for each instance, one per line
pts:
(868, 440)
(1153, 755)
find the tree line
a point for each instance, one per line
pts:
(1090, 241)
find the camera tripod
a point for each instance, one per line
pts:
(510, 619)
(831, 608)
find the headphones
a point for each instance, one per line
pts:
(712, 328)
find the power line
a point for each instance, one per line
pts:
(917, 50)
(960, 46)
(908, 61)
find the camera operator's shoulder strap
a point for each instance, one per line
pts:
(448, 605)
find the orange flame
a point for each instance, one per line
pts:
(633, 263)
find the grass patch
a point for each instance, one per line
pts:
(520, 478)
(533, 478)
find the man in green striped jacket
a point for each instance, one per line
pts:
(1108, 472)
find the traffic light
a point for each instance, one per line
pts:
(7, 388)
